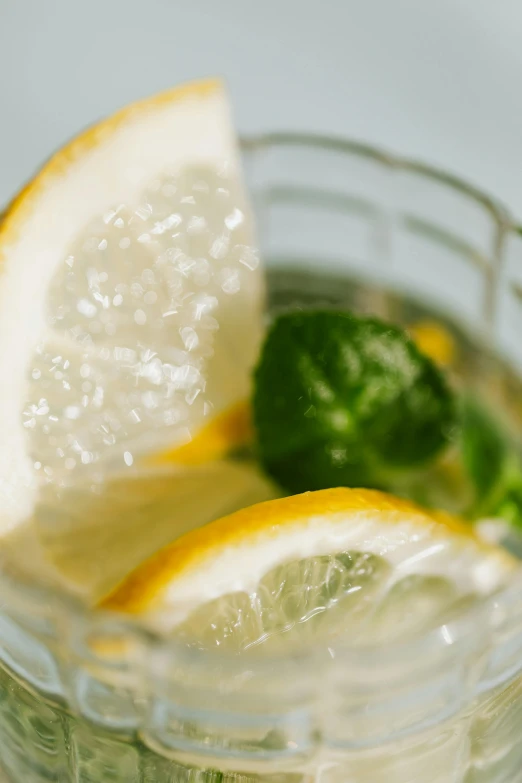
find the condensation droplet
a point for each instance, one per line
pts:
(128, 458)
(86, 308)
(191, 395)
(122, 354)
(124, 243)
(144, 211)
(229, 279)
(234, 220)
(98, 396)
(196, 225)
(150, 400)
(249, 257)
(109, 216)
(190, 338)
(219, 248)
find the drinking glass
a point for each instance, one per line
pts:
(90, 697)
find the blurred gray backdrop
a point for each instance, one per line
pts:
(441, 81)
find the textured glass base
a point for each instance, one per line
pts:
(40, 743)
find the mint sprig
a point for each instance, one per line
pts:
(346, 400)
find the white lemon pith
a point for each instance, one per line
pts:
(130, 306)
(279, 567)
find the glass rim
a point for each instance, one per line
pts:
(500, 211)
(464, 629)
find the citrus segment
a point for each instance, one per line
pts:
(130, 269)
(277, 566)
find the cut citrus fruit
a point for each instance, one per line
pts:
(92, 539)
(226, 431)
(131, 273)
(435, 341)
(337, 560)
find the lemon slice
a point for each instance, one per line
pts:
(130, 297)
(435, 341)
(90, 540)
(131, 300)
(338, 560)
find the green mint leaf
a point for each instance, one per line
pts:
(344, 400)
(492, 463)
(509, 504)
(484, 449)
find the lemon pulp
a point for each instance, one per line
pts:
(131, 270)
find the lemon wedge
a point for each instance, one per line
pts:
(131, 273)
(435, 341)
(337, 560)
(131, 300)
(90, 540)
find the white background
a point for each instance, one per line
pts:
(439, 80)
